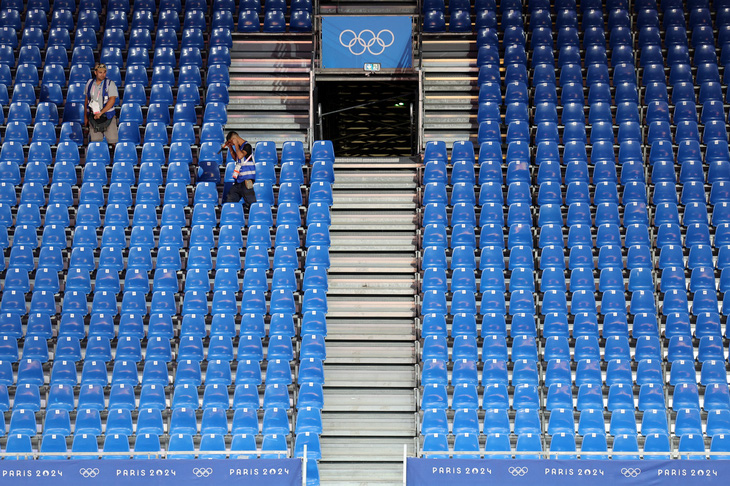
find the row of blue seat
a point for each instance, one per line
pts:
(206, 192)
(145, 6)
(463, 279)
(181, 421)
(150, 171)
(55, 76)
(122, 396)
(203, 213)
(113, 37)
(555, 324)
(620, 397)
(158, 347)
(221, 26)
(160, 325)
(116, 18)
(521, 256)
(602, 133)
(529, 446)
(123, 177)
(218, 372)
(558, 372)
(165, 280)
(143, 237)
(44, 136)
(594, 42)
(679, 348)
(163, 302)
(117, 216)
(486, 15)
(162, 56)
(17, 131)
(140, 260)
(221, 21)
(606, 191)
(180, 446)
(555, 300)
(526, 421)
(183, 136)
(717, 167)
(84, 258)
(524, 347)
(136, 279)
(581, 301)
(591, 421)
(461, 239)
(641, 325)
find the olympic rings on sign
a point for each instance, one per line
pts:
(358, 44)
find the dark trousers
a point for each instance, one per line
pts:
(239, 191)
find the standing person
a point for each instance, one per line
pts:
(99, 113)
(244, 172)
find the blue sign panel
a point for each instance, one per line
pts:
(351, 42)
(158, 472)
(466, 472)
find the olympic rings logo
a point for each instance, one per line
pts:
(366, 40)
(517, 471)
(203, 472)
(631, 472)
(87, 472)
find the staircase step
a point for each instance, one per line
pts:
(451, 100)
(466, 126)
(371, 376)
(274, 121)
(365, 449)
(370, 162)
(271, 82)
(369, 425)
(371, 369)
(287, 100)
(376, 262)
(270, 86)
(402, 180)
(371, 7)
(449, 45)
(353, 198)
(370, 352)
(451, 64)
(373, 220)
(448, 117)
(361, 474)
(377, 329)
(450, 88)
(372, 285)
(385, 307)
(366, 400)
(357, 241)
(450, 137)
(447, 86)
(272, 135)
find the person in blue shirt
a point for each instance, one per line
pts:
(244, 172)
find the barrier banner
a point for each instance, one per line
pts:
(550, 472)
(351, 42)
(158, 472)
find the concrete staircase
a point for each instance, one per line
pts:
(451, 93)
(270, 92)
(370, 372)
